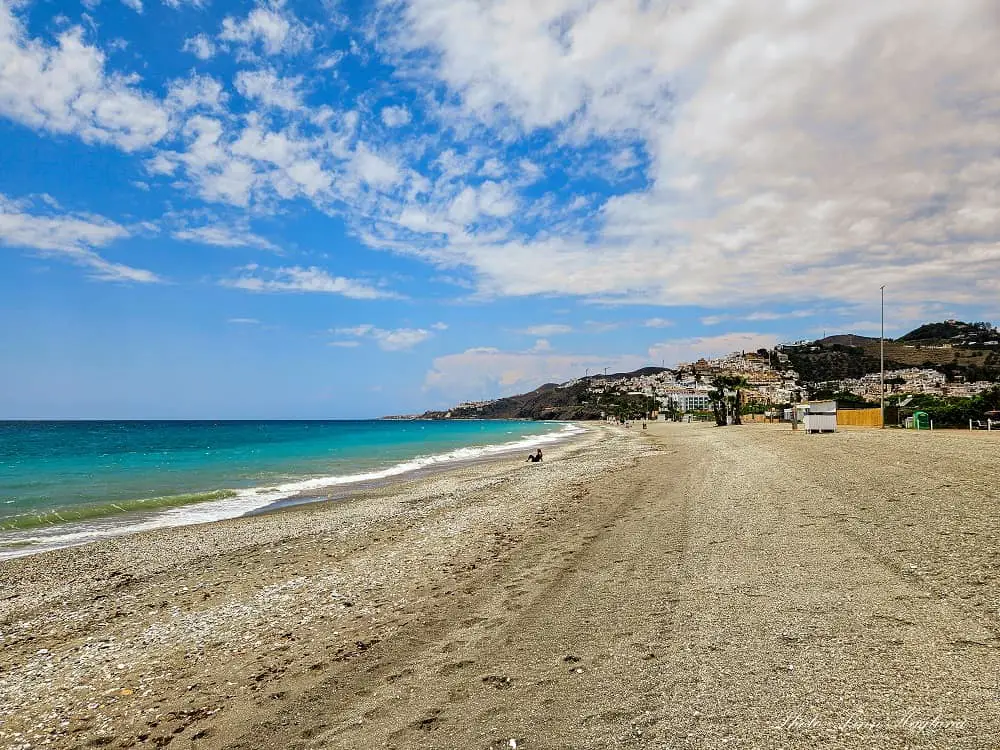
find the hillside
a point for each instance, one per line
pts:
(962, 351)
(954, 332)
(551, 401)
(958, 349)
(546, 402)
(822, 361)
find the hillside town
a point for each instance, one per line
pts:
(905, 382)
(687, 388)
(770, 380)
(950, 368)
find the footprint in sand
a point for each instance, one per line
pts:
(455, 666)
(429, 721)
(498, 681)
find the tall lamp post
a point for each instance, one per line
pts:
(881, 347)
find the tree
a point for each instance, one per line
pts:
(670, 409)
(727, 398)
(718, 398)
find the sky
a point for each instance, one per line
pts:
(277, 209)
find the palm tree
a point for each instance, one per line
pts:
(718, 398)
(727, 398)
(738, 383)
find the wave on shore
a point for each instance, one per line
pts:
(34, 533)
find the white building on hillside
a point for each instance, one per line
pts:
(688, 400)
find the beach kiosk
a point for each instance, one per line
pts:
(821, 416)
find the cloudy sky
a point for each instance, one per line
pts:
(314, 209)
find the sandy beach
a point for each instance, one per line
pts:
(683, 587)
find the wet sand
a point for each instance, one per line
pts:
(685, 587)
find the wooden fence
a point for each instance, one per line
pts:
(859, 417)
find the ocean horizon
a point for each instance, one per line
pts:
(68, 482)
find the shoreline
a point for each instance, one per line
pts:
(690, 586)
(70, 662)
(340, 492)
(222, 504)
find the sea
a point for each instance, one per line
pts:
(69, 483)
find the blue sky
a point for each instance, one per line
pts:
(318, 209)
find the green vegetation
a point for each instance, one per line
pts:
(816, 363)
(956, 349)
(550, 401)
(727, 399)
(621, 405)
(949, 330)
(956, 412)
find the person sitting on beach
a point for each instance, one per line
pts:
(535, 457)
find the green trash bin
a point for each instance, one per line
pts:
(921, 420)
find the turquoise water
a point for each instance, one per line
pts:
(72, 481)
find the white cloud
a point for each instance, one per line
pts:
(772, 153)
(391, 340)
(308, 280)
(231, 184)
(760, 315)
(221, 235)
(196, 92)
(658, 323)
(65, 89)
(244, 321)
(345, 344)
(439, 326)
(673, 351)
(309, 177)
(395, 117)
(796, 151)
(247, 163)
(161, 164)
(218, 174)
(330, 61)
(493, 167)
(624, 160)
(547, 329)
(267, 146)
(201, 46)
(473, 205)
(374, 169)
(487, 372)
(270, 89)
(67, 236)
(765, 315)
(135, 5)
(402, 338)
(275, 28)
(361, 330)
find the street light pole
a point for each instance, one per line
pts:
(881, 346)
